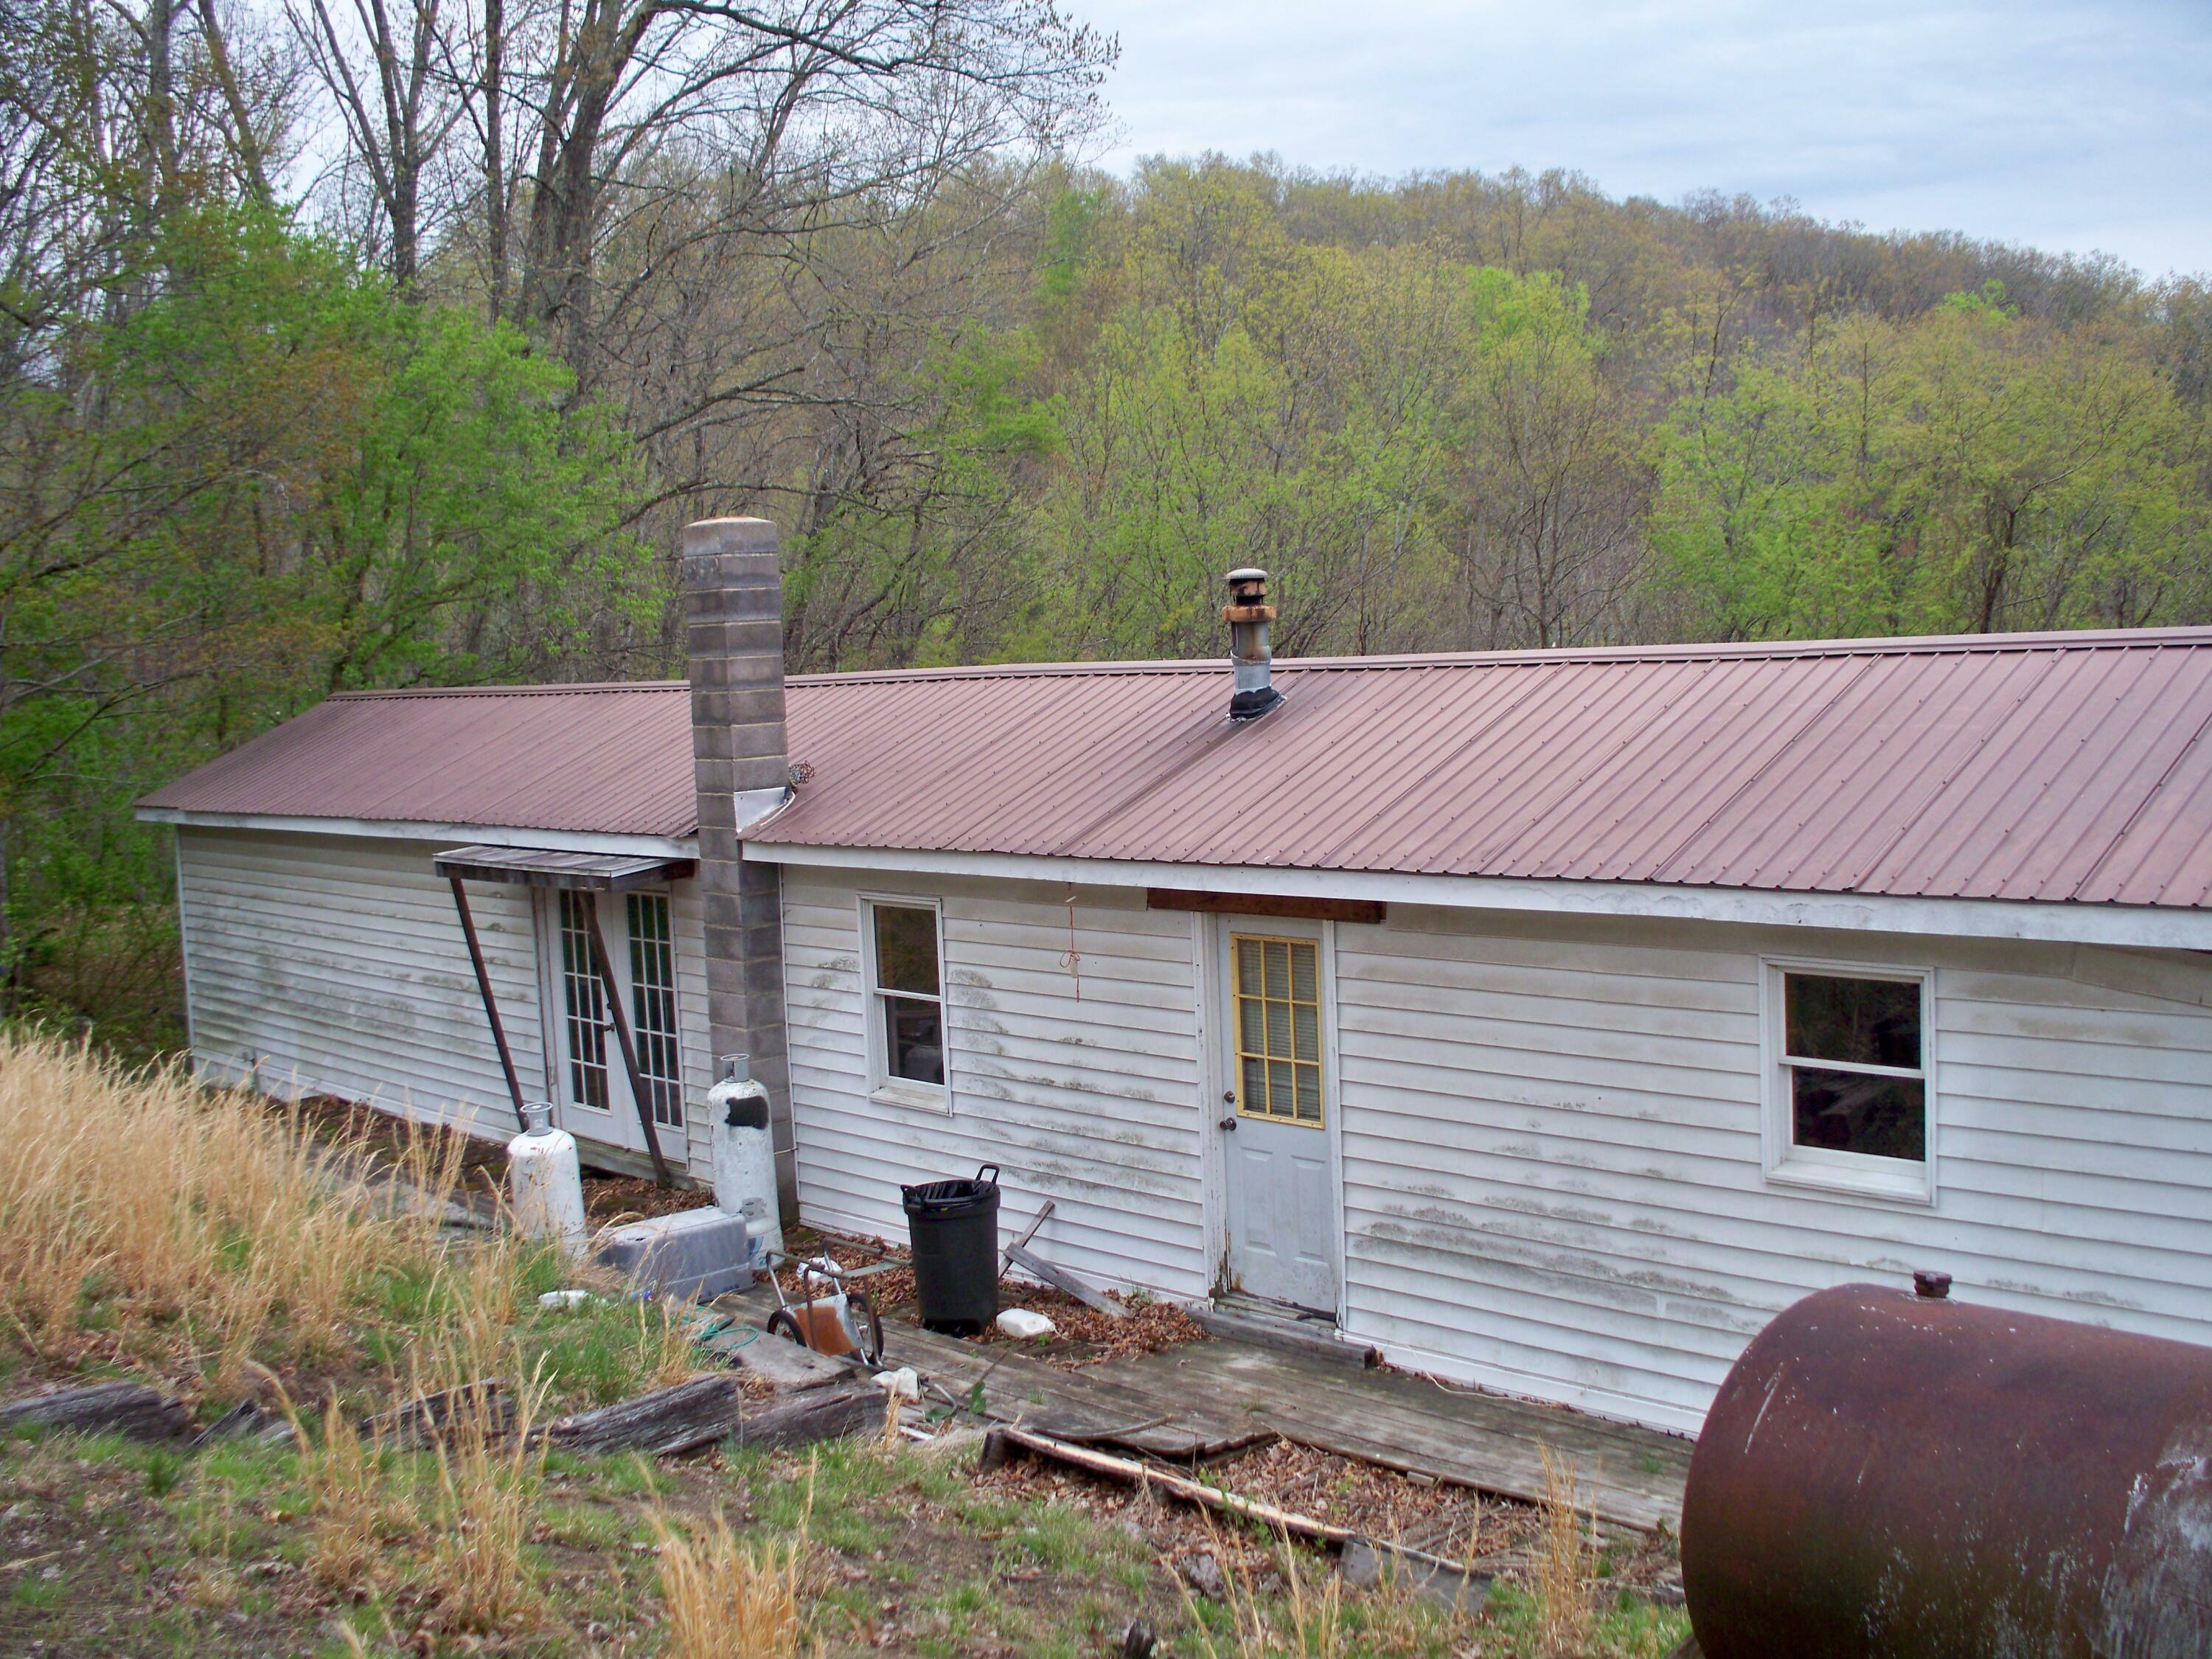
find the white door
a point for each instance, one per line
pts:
(1279, 1166)
(590, 1085)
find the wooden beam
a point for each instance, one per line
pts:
(1264, 905)
(606, 973)
(125, 1408)
(1160, 1480)
(490, 1003)
(1020, 1255)
(702, 1410)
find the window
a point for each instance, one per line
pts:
(907, 1015)
(1849, 1079)
(1278, 1028)
(584, 1007)
(653, 1006)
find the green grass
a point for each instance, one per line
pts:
(1056, 1535)
(586, 1525)
(40, 1592)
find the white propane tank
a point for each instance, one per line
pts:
(744, 1155)
(541, 1175)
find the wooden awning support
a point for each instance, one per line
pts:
(490, 1003)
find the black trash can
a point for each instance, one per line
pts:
(953, 1228)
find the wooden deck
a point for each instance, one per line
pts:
(1204, 1398)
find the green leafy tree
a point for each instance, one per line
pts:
(268, 479)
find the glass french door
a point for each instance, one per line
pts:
(589, 1083)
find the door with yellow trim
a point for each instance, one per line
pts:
(1279, 1171)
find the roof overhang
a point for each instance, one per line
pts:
(532, 866)
(2138, 926)
(481, 834)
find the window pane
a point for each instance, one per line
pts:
(913, 1033)
(1309, 1094)
(1279, 971)
(1282, 1088)
(1867, 1022)
(1248, 968)
(1309, 1032)
(1252, 1017)
(1852, 1112)
(653, 1006)
(1305, 972)
(906, 949)
(583, 1007)
(1255, 1085)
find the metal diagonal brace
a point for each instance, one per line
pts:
(599, 963)
(490, 1004)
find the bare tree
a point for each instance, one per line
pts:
(385, 74)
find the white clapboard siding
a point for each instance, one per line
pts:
(1553, 1156)
(688, 918)
(336, 965)
(321, 964)
(1082, 1086)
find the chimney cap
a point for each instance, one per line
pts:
(1248, 574)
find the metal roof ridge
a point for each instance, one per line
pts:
(2084, 639)
(542, 688)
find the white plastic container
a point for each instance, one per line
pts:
(744, 1154)
(547, 1187)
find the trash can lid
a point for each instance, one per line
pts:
(948, 1197)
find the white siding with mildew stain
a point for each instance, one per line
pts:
(336, 965)
(1551, 1139)
(1082, 1086)
(1554, 1165)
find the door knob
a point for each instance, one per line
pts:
(1229, 1123)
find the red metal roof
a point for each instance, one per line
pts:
(2051, 767)
(598, 759)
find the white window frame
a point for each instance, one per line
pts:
(882, 1088)
(1859, 1174)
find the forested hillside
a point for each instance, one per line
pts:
(349, 344)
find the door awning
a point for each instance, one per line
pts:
(590, 874)
(533, 866)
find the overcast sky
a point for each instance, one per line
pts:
(2070, 124)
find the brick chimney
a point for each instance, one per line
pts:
(733, 648)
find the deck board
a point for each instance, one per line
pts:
(1631, 1476)
(1211, 1396)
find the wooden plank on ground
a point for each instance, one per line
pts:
(125, 1408)
(1016, 1388)
(782, 1363)
(1633, 1477)
(702, 1410)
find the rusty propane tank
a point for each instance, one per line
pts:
(1893, 1476)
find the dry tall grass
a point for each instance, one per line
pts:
(459, 1536)
(1567, 1565)
(206, 1228)
(348, 1503)
(489, 1474)
(728, 1600)
(1305, 1619)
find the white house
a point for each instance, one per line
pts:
(1547, 1020)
